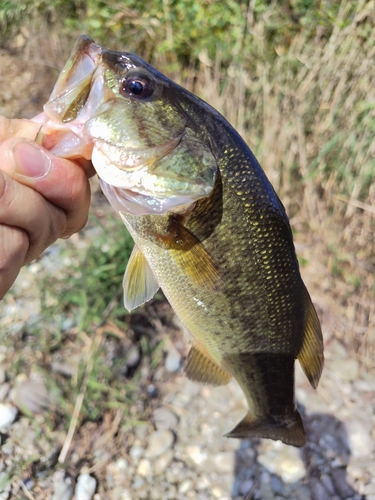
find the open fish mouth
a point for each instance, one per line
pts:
(88, 117)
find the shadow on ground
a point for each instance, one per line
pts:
(325, 459)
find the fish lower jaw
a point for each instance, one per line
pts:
(127, 201)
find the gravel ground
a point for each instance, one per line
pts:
(179, 452)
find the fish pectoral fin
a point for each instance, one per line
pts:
(191, 256)
(200, 367)
(139, 282)
(311, 355)
(288, 429)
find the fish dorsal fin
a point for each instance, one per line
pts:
(200, 367)
(139, 282)
(191, 256)
(311, 355)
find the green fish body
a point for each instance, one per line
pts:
(209, 230)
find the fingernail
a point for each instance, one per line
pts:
(29, 160)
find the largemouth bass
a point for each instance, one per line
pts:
(208, 227)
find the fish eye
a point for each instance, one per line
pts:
(136, 86)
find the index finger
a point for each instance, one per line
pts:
(18, 128)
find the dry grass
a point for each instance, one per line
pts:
(310, 119)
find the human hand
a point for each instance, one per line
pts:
(42, 198)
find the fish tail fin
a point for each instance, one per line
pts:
(288, 429)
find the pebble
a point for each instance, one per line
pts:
(136, 451)
(196, 454)
(164, 419)
(2, 375)
(360, 441)
(223, 463)
(138, 482)
(8, 414)
(62, 486)
(246, 487)
(173, 360)
(4, 391)
(282, 460)
(30, 395)
(159, 442)
(185, 486)
(5, 486)
(203, 483)
(162, 462)
(144, 467)
(85, 488)
(346, 369)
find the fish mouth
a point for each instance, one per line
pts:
(77, 94)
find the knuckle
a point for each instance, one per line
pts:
(13, 248)
(57, 225)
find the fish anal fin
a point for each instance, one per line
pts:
(191, 256)
(311, 355)
(288, 429)
(139, 282)
(200, 367)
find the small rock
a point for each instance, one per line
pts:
(346, 369)
(30, 395)
(2, 375)
(62, 486)
(159, 442)
(185, 486)
(133, 357)
(164, 419)
(136, 452)
(327, 483)
(318, 490)
(246, 487)
(85, 488)
(196, 454)
(162, 462)
(8, 415)
(216, 491)
(4, 390)
(203, 483)
(282, 460)
(360, 441)
(144, 467)
(138, 482)
(277, 485)
(173, 360)
(5, 486)
(343, 489)
(224, 462)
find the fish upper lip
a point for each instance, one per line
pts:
(94, 52)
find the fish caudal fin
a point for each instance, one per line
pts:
(289, 429)
(200, 367)
(311, 355)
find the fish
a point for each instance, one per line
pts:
(209, 229)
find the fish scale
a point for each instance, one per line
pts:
(208, 228)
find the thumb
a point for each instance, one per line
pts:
(62, 182)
